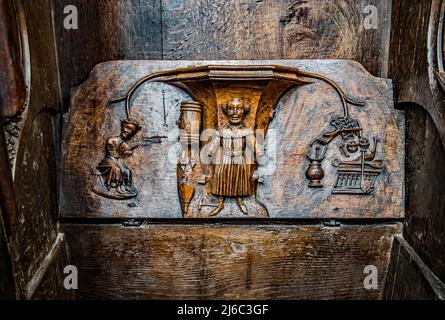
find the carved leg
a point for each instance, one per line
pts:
(120, 189)
(218, 209)
(128, 181)
(117, 180)
(241, 205)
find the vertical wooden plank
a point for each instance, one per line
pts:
(391, 274)
(409, 48)
(34, 185)
(412, 63)
(107, 30)
(408, 276)
(12, 83)
(48, 281)
(203, 29)
(8, 213)
(374, 40)
(269, 29)
(7, 196)
(7, 289)
(425, 163)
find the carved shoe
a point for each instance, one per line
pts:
(217, 210)
(242, 206)
(121, 190)
(130, 189)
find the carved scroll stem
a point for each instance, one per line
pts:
(343, 96)
(149, 78)
(128, 95)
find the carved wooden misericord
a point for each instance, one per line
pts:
(288, 139)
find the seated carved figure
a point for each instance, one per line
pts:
(115, 175)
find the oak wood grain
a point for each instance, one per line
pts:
(48, 282)
(33, 230)
(12, 83)
(301, 115)
(108, 30)
(7, 289)
(409, 278)
(269, 29)
(425, 160)
(203, 29)
(180, 261)
(413, 62)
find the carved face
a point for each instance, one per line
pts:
(235, 112)
(128, 130)
(364, 143)
(352, 146)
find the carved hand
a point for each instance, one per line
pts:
(258, 178)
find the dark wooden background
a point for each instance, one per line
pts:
(111, 256)
(208, 29)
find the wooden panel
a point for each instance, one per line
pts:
(228, 262)
(7, 290)
(202, 29)
(48, 280)
(122, 29)
(12, 84)
(33, 231)
(414, 61)
(270, 29)
(304, 112)
(409, 278)
(425, 163)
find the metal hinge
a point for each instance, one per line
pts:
(331, 223)
(131, 223)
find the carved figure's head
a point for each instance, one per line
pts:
(364, 143)
(352, 146)
(129, 128)
(235, 110)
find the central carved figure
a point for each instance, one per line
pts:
(233, 149)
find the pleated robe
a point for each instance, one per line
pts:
(233, 151)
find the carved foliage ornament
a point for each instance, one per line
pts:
(235, 103)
